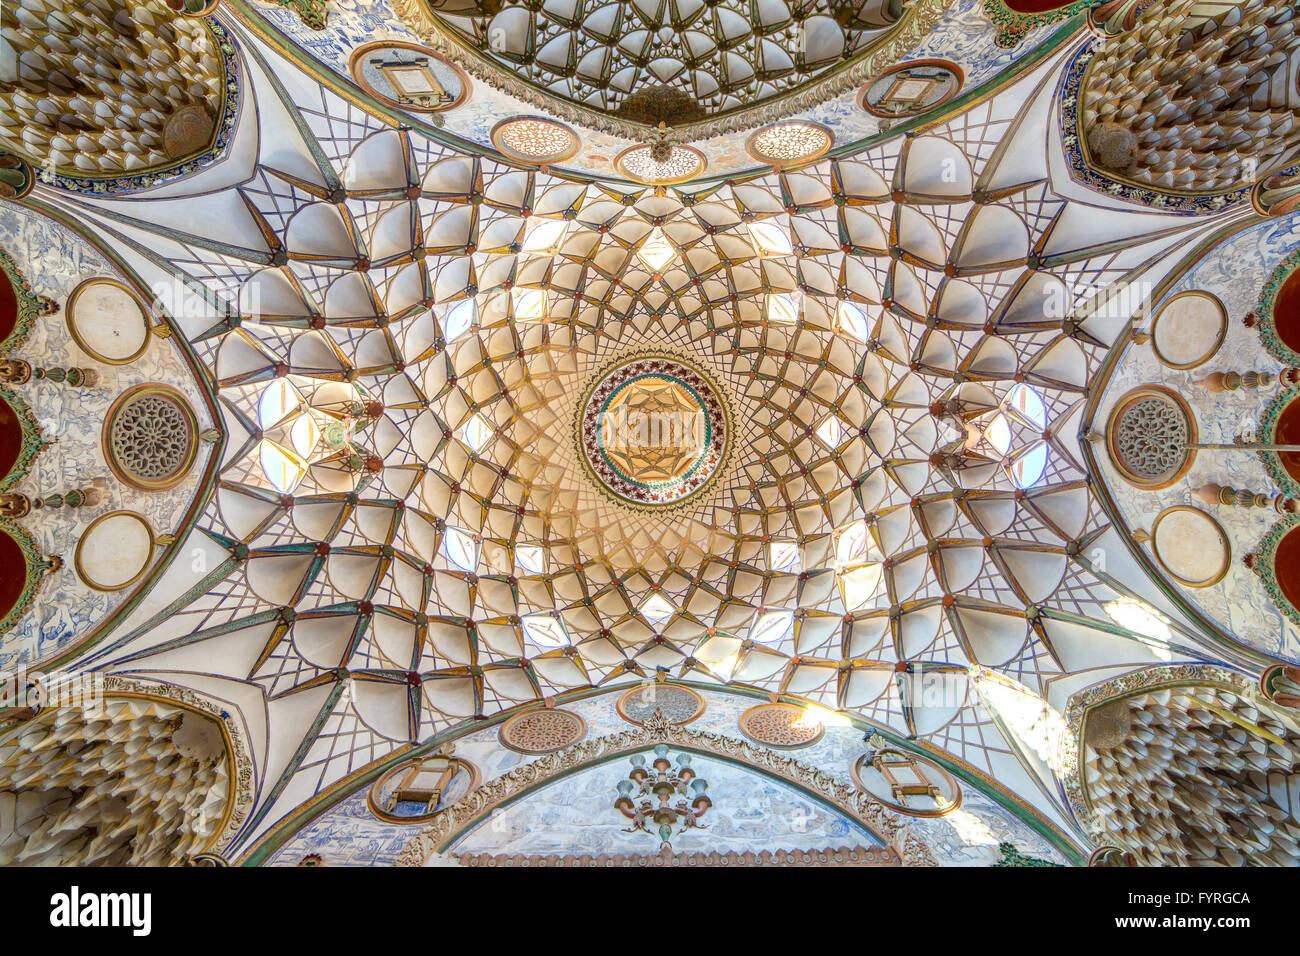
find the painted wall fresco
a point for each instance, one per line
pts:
(577, 814)
(1235, 272)
(55, 261)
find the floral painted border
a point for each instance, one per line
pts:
(228, 49)
(1267, 432)
(30, 305)
(310, 12)
(1013, 26)
(34, 440)
(1183, 204)
(1265, 322)
(37, 567)
(1265, 565)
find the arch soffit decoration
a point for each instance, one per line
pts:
(313, 13)
(1162, 677)
(276, 836)
(518, 783)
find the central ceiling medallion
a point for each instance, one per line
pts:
(653, 431)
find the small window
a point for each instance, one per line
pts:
(782, 307)
(460, 549)
(476, 432)
(277, 402)
(545, 631)
(784, 556)
(1027, 470)
(772, 628)
(830, 432)
(853, 321)
(544, 235)
(459, 318)
(770, 239)
(530, 559)
(656, 252)
(529, 304)
(657, 609)
(283, 469)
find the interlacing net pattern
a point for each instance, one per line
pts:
(716, 56)
(905, 495)
(108, 86)
(131, 783)
(1195, 776)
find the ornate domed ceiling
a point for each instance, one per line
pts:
(673, 62)
(817, 441)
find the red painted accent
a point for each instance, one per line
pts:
(11, 437)
(1286, 311)
(1288, 433)
(8, 307)
(13, 573)
(1286, 566)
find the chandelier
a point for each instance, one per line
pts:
(646, 796)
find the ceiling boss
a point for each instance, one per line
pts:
(653, 431)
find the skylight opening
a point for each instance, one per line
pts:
(283, 469)
(278, 401)
(853, 321)
(544, 235)
(656, 252)
(459, 318)
(998, 434)
(304, 435)
(772, 628)
(657, 608)
(1026, 403)
(770, 239)
(460, 548)
(530, 559)
(783, 556)
(545, 631)
(476, 432)
(1027, 470)
(529, 305)
(782, 307)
